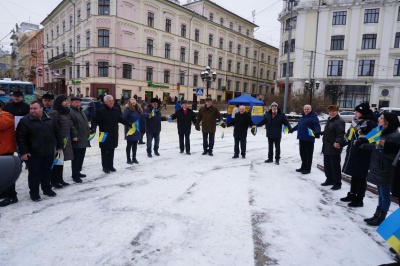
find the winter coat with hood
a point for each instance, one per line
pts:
(80, 128)
(7, 133)
(184, 121)
(208, 118)
(357, 161)
(241, 123)
(306, 122)
(334, 132)
(274, 125)
(62, 118)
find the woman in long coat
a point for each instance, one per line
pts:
(132, 114)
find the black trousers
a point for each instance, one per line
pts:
(131, 145)
(77, 162)
(208, 141)
(184, 141)
(358, 186)
(107, 158)
(57, 174)
(39, 173)
(10, 192)
(306, 154)
(242, 141)
(333, 171)
(277, 142)
(141, 136)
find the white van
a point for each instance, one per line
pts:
(390, 110)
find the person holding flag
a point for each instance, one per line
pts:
(308, 122)
(208, 116)
(357, 161)
(273, 120)
(185, 117)
(381, 167)
(132, 114)
(241, 122)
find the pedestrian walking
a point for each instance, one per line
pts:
(132, 114)
(241, 122)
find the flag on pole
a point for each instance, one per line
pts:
(311, 133)
(285, 129)
(91, 136)
(390, 230)
(374, 135)
(103, 136)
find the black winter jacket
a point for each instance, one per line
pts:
(38, 137)
(80, 128)
(17, 109)
(274, 126)
(62, 118)
(184, 122)
(334, 132)
(153, 124)
(241, 123)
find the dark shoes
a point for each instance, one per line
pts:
(235, 156)
(326, 183)
(77, 180)
(277, 162)
(112, 169)
(106, 171)
(268, 161)
(188, 153)
(149, 155)
(204, 153)
(64, 183)
(135, 161)
(376, 214)
(356, 203)
(350, 197)
(129, 162)
(36, 197)
(243, 156)
(8, 201)
(181, 151)
(210, 153)
(299, 170)
(81, 175)
(56, 185)
(156, 153)
(335, 187)
(141, 142)
(378, 220)
(50, 193)
(305, 172)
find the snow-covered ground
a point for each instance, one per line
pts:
(192, 210)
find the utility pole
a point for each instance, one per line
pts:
(289, 43)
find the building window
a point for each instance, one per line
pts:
(88, 10)
(127, 71)
(335, 67)
(71, 23)
(337, 42)
(221, 43)
(103, 38)
(196, 58)
(63, 47)
(183, 30)
(211, 17)
(220, 84)
(70, 45)
(253, 88)
(231, 25)
(396, 70)
(166, 76)
(229, 65)
(398, 15)
(269, 59)
(238, 67)
(104, 7)
(339, 18)
(261, 73)
(182, 78)
(210, 39)
(63, 26)
(221, 21)
(245, 87)
(284, 70)
(167, 51)
(228, 83)
(262, 57)
(52, 53)
(87, 68)
(195, 80)
(209, 63)
(57, 51)
(247, 51)
(87, 39)
(240, 29)
(168, 25)
(371, 15)
(353, 95)
(255, 55)
(254, 71)
(78, 43)
(103, 69)
(52, 35)
(150, 19)
(260, 89)
(287, 23)
(237, 86)
(396, 40)
(149, 47)
(274, 77)
(267, 74)
(149, 74)
(246, 69)
(58, 30)
(247, 33)
(197, 35)
(366, 67)
(79, 16)
(239, 49)
(220, 63)
(275, 61)
(78, 71)
(183, 54)
(292, 46)
(70, 72)
(230, 46)
(368, 41)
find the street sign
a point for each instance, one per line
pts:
(39, 70)
(199, 91)
(265, 84)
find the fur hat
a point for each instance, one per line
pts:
(154, 100)
(363, 108)
(274, 103)
(76, 99)
(61, 98)
(48, 96)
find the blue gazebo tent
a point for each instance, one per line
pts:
(253, 105)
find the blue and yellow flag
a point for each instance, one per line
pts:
(390, 230)
(133, 129)
(285, 129)
(153, 112)
(374, 135)
(170, 119)
(103, 136)
(311, 133)
(220, 122)
(91, 136)
(55, 161)
(222, 134)
(66, 141)
(350, 132)
(254, 130)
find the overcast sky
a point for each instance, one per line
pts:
(17, 11)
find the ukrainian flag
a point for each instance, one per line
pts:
(390, 230)
(103, 136)
(222, 134)
(91, 136)
(55, 161)
(133, 129)
(350, 132)
(66, 141)
(153, 112)
(374, 135)
(310, 132)
(285, 129)
(220, 122)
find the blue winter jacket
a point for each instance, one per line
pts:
(307, 121)
(131, 117)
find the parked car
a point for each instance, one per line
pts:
(85, 103)
(347, 116)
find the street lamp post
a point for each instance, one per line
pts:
(206, 77)
(310, 87)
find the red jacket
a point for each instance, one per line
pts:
(7, 133)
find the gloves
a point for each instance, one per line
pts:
(360, 141)
(290, 131)
(317, 135)
(223, 125)
(197, 127)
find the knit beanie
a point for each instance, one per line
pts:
(61, 98)
(363, 108)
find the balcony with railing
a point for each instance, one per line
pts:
(61, 59)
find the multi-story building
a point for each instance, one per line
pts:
(352, 47)
(36, 60)
(5, 63)
(148, 47)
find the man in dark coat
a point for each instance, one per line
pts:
(81, 130)
(308, 120)
(273, 120)
(333, 142)
(185, 117)
(37, 137)
(241, 122)
(208, 116)
(47, 100)
(107, 118)
(153, 126)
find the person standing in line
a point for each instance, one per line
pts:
(185, 117)
(332, 146)
(107, 118)
(208, 116)
(241, 122)
(7, 147)
(382, 167)
(60, 113)
(91, 110)
(153, 126)
(273, 120)
(308, 120)
(47, 100)
(235, 110)
(80, 128)
(37, 137)
(357, 161)
(132, 114)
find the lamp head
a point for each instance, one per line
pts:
(307, 84)
(317, 84)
